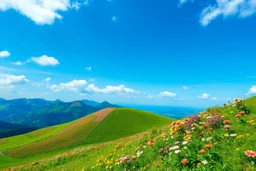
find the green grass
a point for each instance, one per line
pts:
(226, 153)
(21, 140)
(46, 142)
(125, 122)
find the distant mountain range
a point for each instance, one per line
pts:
(39, 113)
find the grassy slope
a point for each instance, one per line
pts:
(227, 153)
(125, 122)
(115, 125)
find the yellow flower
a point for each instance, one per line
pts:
(251, 121)
(226, 135)
(237, 149)
(240, 137)
(215, 143)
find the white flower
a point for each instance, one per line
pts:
(233, 135)
(203, 139)
(177, 151)
(176, 147)
(170, 153)
(139, 153)
(209, 139)
(184, 142)
(185, 148)
(205, 162)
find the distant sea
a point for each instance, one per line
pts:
(169, 111)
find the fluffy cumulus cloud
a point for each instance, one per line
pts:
(41, 11)
(252, 90)
(120, 90)
(9, 81)
(75, 85)
(167, 94)
(45, 60)
(4, 54)
(204, 96)
(226, 8)
(80, 86)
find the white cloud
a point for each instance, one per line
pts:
(75, 85)
(185, 88)
(252, 90)
(4, 54)
(76, 5)
(47, 80)
(225, 8)
(40, 11)
(120, 90)
(45, 60)
(17, 63)
(11, 80)
(204, 96)
(167, 94)
(91, 79)
(214, 98)
(88, 68)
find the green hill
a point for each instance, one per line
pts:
(221, 138)
(105, 125)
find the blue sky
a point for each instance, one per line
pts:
(180, 53)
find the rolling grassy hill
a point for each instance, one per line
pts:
(221, 138)
(105, 125)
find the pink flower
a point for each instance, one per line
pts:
(250, 153)
(160, 150)
(227, 126)
(177, 143)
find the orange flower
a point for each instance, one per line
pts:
(226, 121)
(250, 153)
(184, 161)
(208, 146)
(238, 115)
(209, 130)
(202, 151)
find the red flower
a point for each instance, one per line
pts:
(208, 146)
(184, 161)
(250, 153)
(204, 126)
(199, 134)
(133, 158)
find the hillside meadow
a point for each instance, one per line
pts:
(221, 138)
(103, 126)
